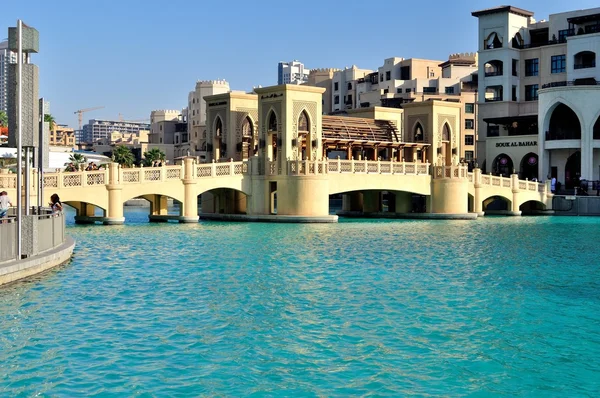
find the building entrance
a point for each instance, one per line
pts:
(573, 170)
(529, 167)
(502, 165)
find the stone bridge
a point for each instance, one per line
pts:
(292, 190)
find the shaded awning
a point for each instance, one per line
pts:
(584, 18)
(359, 129)
(506, 120)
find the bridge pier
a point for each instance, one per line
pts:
(115, 197)
(477, 197)
(372, 202)
(403, 202)
(189, 207)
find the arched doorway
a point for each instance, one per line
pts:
(564, 124)
(249, 140)
(573, 170)
(272, 127)
(502, 165)
(219, 145)
(529, 166)
(446, 146)
(303, 136)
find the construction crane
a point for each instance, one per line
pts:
(80, 113)
(122, 119)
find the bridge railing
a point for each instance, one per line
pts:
(222, 169)
(509, 182)
(339, 166)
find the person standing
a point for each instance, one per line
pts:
(5, 204)
(55, 204)
(553, 184)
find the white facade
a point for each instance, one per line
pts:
(540, 79)
(344, 94)
(96, 128)
(6, 57)
(292, 73)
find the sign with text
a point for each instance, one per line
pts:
(511, 144)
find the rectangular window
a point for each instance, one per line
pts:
(336, 86)
(469, 108)
(562, 35)
(531, 92)
(532, 67)
(386, 90)
(449, 90)
(388, 75)
(399, 90)
(405, 73)
(469, 156)
(469, 139)
(469, 124)
(408, 90)
(336, 99)
(429, 90)
(349, 102)
(558, 64)
(515, 67)
(514, 93)
(350, 86)
(381, 77)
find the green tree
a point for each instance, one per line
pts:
(153, 155)
(3, 119)
(123, 155)
(77, 159)
(50, 119)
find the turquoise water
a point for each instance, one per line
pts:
(497, 306)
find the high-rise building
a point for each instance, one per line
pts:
(6, 57)
(97, 129)
(292, 73)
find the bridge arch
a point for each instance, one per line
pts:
(496, 202)
(225, 200)
(532, 205)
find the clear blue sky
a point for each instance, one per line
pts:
(133, 56)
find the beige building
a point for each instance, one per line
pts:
(138, 142)
(539, 94)
(196, 116)
(62, 136)
(323, 78)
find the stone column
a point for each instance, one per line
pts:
(115, 201)
(477, 199)
(515, 191)
(190, 201)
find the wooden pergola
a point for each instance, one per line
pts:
(352, 134)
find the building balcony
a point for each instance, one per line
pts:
(493, 73)
(565, 83)
(585, 65)
(562, 135)
(493, 99)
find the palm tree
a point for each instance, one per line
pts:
(123, 155)
(3, 119)
(77, 159)
(153, 155)
(50, 119)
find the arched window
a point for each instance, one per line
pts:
(418, 133)
(272, 126)
(493, 41)
(218, 127)
(494, 68)
(303, 123)
(247, 127)
(446, 132)
(584, 59)
(517, 41)
(564, 124)
(596, 129)
(502, 165)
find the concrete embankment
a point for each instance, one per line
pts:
(12, 271)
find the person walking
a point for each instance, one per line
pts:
(5, 204)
